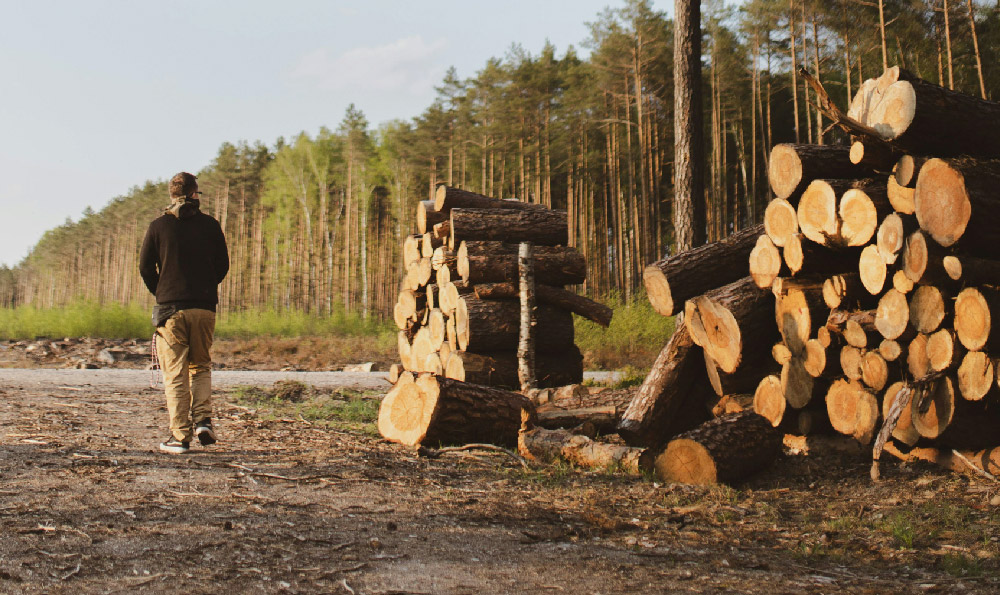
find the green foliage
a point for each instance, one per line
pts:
(83, 318)
(632, 341)
(296, 323)
(902, 529)
(960, 565)
(77, 319)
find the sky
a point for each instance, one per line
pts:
(99, 96)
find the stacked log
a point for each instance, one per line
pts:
(458, 308)
(881, 280)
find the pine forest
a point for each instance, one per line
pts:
(315, 223)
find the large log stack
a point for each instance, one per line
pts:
(458, 309)
(875, 271)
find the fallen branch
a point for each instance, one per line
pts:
(433, 453)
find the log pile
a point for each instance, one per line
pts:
(459, 314)
(873, 281)
(458, 309)
(862, 305)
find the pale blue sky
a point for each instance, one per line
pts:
(100, 95)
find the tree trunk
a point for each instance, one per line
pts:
(447, 198)
(780, 221)
(877, 156)
(499, 368)
(490, 261)
(765, 262)
(923, 260)
(689, 199)
(724, 449)
(485, 325)
(428, 216)
(553, 296)
(526, 334)
(733, 324)
(435, 410)
(793, 166)
(540, 226)
(804, 256)
(933, 408)
(672, 281)
(551, 446)
(676, 384)
(926, 119)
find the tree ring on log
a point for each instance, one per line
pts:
(780, 221)
(941, 202)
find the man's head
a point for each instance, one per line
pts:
(183, 185)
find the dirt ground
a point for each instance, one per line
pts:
(287, 505)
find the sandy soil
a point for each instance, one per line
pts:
(87, 505)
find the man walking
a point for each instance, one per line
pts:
(182, 261)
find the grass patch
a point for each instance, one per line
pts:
(342, 409)
(116, 321)
(634, 338)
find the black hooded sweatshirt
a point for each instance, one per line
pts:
(183, 260)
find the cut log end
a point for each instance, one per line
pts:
(933, 408)
(892, 315)
(780, 221)
(784, 170)
(769, 400)
(658, 290)
(973, 320)
(765, 263)
(872, 269)
(975, 376)
(941, 202)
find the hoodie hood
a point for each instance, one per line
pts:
(183, 207)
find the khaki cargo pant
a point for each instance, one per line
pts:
(183, 346)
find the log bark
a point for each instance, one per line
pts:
(428, 216)
(804, 256)
(672, 281)
(447, 198)
(526, 333)
(543, 227)
(971, 271)
(904, 430)
(491, 262)
(443, 257)
(877, 156)
(926, 119)
(435, 410)
(744, 380)
(846, 291)
(733, 324)
(553, 296)
(974, 308)
(955, 201)
(494, 325)
(676, 379)
(724, 449)
(987, 460)
(550, 446)
(907, 169)
(793, 166)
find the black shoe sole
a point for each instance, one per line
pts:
(205, 435)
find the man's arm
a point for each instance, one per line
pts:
(221, 256)
(149, 261)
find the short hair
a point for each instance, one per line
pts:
(183, 185)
